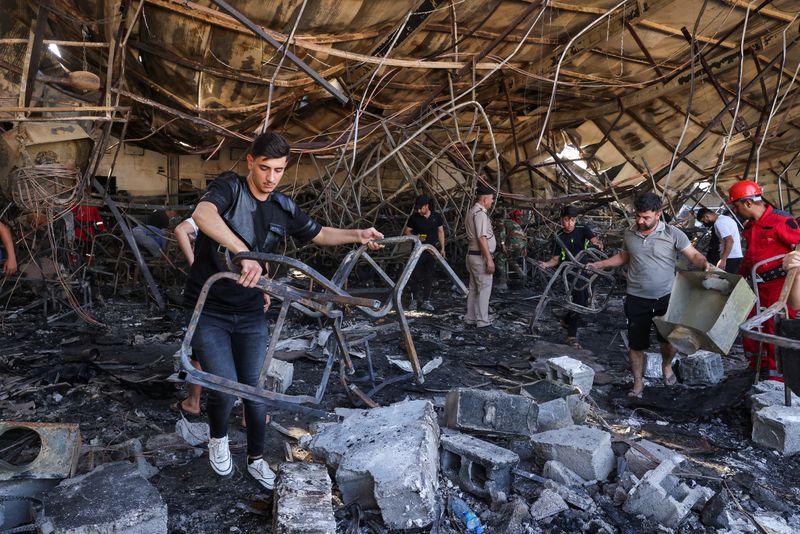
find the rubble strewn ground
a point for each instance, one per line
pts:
(602, 468)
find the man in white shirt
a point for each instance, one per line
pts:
(730, 242)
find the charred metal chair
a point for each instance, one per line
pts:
(575, 276)
(787, 349)
(325, 299)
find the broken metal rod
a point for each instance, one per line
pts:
(278, 46)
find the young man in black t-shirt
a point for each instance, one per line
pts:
(242, 214)
(429, 227)
(571, 240)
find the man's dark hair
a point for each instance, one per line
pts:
(270, 145)
(569, 211)
(702, 212)
(647, 202)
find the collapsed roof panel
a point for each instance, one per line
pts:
(658, 80)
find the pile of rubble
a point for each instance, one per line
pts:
(529, 458)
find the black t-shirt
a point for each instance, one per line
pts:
(575, 241)
(226, 295)
(426, 226)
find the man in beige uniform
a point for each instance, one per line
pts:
(480, 265)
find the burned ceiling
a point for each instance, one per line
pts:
(681, 91)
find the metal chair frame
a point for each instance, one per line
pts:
(327, 303)
(575, 276)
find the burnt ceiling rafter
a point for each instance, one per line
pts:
(633, 61)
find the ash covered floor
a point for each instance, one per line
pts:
(112, 382)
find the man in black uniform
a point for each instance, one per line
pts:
(429, 227)
(572, 238)
(241, 214)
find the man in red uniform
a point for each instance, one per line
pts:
(88, 222)
(768, 232)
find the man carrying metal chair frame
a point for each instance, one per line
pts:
(239, 214)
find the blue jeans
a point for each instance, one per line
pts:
(233, 346)
(150, 239)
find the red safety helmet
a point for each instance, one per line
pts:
(742, 190)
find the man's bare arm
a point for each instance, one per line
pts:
(183, 234)
(697, 258)
(616, 260)
(552, 262)
(727, 246)
(209, 221)
(330, 237)
(10, 266)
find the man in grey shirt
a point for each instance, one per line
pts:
(650, 251)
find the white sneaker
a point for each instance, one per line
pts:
(259, 470)
(219, 453)
(428, 306)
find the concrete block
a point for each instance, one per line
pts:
(386, 459)
(113, 498)
(702, 367)
(302, 503)
(778, 427)
(577, 497)
(715, 513)
(765, 386)
(548, 504)
(584, 450)
(553, 414)
(769, 393)
(571, 372)
(59, 450)
(555, 470)
(578, 408)
(279, 375)
(16, 513)
(491, 412)
(640, 462)
(663, 498)
(475, 465)
(559, 405)
(773, 524)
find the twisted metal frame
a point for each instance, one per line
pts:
(751, 328)
(324, 303)
(575, 276)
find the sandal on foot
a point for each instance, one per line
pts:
(574, 343)
(636, 395)
(177, 407)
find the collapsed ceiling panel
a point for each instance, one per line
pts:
(681, 90)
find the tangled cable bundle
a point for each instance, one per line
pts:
(46, 186)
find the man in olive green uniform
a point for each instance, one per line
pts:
(513, 245)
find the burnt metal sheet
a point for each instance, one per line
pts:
(58, 456)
